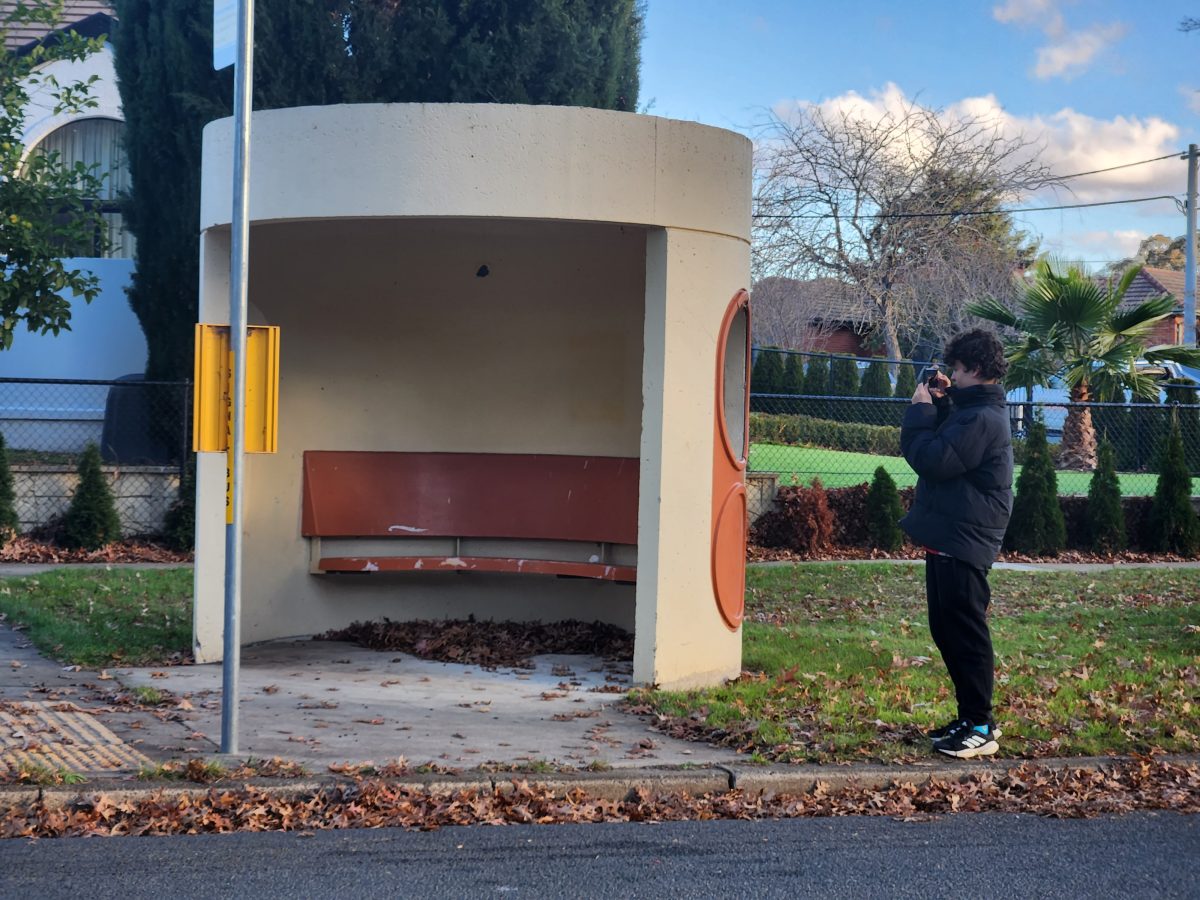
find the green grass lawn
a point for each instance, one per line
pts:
(839, 468)
(92, 617)
(842, 666)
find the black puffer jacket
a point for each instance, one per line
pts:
(965, 466)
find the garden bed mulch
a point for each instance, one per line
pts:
(757, 553)
(28, 550)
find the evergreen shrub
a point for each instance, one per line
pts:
(875, 381)
(1105, 518)
(1173, 525)
(179, 527)
(906, 381)
(816, 376)
(91, 521)
(884, 512)
(767, 375)
(9, 523)
(1183, 392)
(843, 377)
(1037, 526)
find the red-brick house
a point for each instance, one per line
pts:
(1152, 282)
(820, 315)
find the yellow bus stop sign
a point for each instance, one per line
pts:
(212, 413)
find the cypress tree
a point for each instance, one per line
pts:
(179, 526)
(767, 375)
(816, 376)
(843, 377)
(1146, 427)
(1183, 392)
(91, 520)
(793, 374)
(564, 52)
(816, 381)
(1173, 525)
(884, 512)
(1105, 517)
(875, 381)
(10, 524)
(906, 381)
(1037, 526)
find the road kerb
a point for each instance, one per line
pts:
(614, 786)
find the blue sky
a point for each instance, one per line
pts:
(1098, 82)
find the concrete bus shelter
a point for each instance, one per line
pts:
(456, 281)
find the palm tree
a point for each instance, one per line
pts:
(1071, 327)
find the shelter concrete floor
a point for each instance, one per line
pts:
(327, 702)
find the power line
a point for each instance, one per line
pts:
(1140, 162)
(964, 212)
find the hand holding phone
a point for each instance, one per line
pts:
(934, 379)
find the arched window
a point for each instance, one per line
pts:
(97, 142)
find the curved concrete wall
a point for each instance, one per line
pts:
(492, 160)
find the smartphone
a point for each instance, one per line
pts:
(930, 374)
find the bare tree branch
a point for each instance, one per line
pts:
(900, 209)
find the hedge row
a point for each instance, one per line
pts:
(851, 436)
(808, 431)
(798, 520)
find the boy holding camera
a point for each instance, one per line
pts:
(956, 437)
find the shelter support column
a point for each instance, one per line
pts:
(681, 639)
(209, 577)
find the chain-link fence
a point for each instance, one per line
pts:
(843, 439)
(141, 427)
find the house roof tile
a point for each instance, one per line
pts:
(1154, 282)
(74, 11)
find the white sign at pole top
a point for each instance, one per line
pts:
(224, 33)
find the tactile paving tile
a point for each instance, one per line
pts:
(60, 736)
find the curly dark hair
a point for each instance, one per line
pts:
(979, 350)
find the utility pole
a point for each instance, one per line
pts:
(1189, 272)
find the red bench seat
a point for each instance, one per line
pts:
(464, 496)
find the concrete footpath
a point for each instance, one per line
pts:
(332, 705)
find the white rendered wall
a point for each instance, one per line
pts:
(680, 640)
(490, 160)
(40, 117)
(105, 340)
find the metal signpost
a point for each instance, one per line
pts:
(1189, 277)
(225, 13)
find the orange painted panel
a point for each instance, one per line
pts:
(729, 557)
(730, 522)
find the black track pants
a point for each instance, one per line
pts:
(958, 596)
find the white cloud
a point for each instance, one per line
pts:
(1076, 50)
(1067, 141)
(1119, 243)
(1024, 12)
(1069, 52)
(1043, 13)
(1191, 96)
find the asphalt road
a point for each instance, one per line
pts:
(977, 856)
